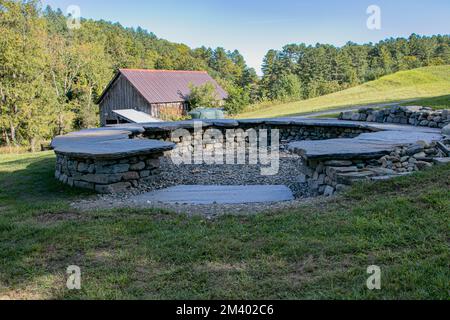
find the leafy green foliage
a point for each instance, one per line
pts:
(403, 86)
(324, 69)
(51, 77)
(204, 96)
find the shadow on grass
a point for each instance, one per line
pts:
(310, 252)
(33, 182)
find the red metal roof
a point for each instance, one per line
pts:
(163, 86)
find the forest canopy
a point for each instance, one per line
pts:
(51, 76)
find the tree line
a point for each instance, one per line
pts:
(51, 76)
(299, 71)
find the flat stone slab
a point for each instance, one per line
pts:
(115, 143)
(173, 126)
(113, 149)
(441, 161)
(204, 195)
(286, 121)
(366, 146)
(106, 144)
(399, 137)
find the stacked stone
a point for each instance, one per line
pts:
(288, 133)
(328, 177)
(296, 133)
(112, 176)
(416, 116)
(413, 158)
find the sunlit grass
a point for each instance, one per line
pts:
(311, 252)
(399, 87)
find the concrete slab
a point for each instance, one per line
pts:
(204, 195)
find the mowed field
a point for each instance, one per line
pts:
(320, 250)
(418, 84)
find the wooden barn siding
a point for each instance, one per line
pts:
(122, 95)
(173, 109)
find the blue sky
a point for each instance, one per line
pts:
(255, 26)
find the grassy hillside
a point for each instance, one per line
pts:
(402, 86)
(310, 252)
(437, 103)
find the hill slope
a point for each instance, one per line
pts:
(405, 85)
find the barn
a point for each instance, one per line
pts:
(160, 94)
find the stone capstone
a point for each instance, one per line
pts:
(446, 130)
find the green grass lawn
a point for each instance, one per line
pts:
(437, 103)
(312, 252)
(402, 86)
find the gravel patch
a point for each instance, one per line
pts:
(173, 175)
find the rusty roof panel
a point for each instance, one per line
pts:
(164, 86)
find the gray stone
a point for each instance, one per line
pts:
(341, 187)
(153, 163)
(329, 191)
(102, 144)
(207, 195)
(70, 181)
(302, 178)
(347, 115)
(383, 178)
(113, 188)
(63, 178)
(405, 158)
(419, 155)
(365, 146)
(332, 171)
(422, 165)
(144, 173)
(137, 166)
(321, 179)
(131, 175)
(102, 178)
(338, 163)
(83, 167)
(414, 149)
(83, 185)
(441, 161)
(446, 131)
(111, 169)
(381, 171)
(351, 177)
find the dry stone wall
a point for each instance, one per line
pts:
(106, 176)
(416, 116)
(287, 133)
(331, 176)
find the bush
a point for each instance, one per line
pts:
(204, 96)
(238, 99)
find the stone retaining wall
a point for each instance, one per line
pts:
(416, 116)
(78, 163)
(288, 133)
(328, 177)
(110, 176)
(118, 158)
